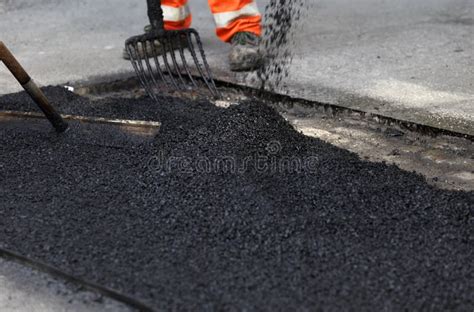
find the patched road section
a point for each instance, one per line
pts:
(231, 208)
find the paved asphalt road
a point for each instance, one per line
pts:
(411, 60)
(234, 211)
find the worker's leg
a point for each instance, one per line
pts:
(239, 22)
(233, 16)
(176, 14)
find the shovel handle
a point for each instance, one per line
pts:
(31, 88)
(12, 64)
(155, 14)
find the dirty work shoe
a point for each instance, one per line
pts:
(149, 49)
(245, 54)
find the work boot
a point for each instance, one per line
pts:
(245, 54)
(158, 48)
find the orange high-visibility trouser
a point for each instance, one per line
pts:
(230, 16)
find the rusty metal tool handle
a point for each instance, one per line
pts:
(31, 88)
(155, 14)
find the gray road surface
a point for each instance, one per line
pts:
(412, 60)
(25, 290)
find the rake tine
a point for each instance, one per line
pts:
(173, 58)
(185, 63)
(168, 68)
(158, 65)
(134, 61)
(196, 61)
(148, 65)
(142, 72)
(213, 90)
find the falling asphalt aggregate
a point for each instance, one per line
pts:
(231, 209)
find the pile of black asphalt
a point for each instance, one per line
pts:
(231, 209)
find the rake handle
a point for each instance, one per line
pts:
(31, 88)
(155, 14)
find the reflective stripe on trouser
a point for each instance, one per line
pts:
(176, 14)
(230, 16)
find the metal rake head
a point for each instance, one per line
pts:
(160, 58)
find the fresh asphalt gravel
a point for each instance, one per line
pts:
(231, 209)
